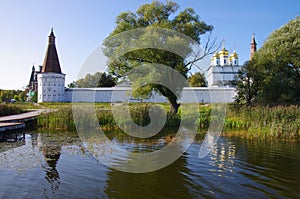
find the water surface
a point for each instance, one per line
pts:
(56, 165)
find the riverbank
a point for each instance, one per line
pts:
(277, 122)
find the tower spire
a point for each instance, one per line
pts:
(51, 61)
(253, 46)
(51, 37)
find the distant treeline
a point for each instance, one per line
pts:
(17, 95)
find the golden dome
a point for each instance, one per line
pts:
(223, 51)
(216, 55)
(234, 55)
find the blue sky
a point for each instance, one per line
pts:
(81, 26)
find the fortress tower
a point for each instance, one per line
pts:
(51, 81)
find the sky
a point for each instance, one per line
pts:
(81, 26)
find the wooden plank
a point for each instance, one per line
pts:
(11, 126)
(22, 116)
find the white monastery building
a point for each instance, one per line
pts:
(50, 82)
(224, 67)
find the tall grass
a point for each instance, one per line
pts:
(280, 122)
(62, 119)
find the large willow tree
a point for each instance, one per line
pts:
(146, 25)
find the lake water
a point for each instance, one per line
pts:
(56, 165)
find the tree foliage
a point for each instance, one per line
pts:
(273, 74)
(197, 80)
(93, 81)
(152, 18)
(7, 95)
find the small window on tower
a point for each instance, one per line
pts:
(224, 61)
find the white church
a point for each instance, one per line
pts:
(49, 82)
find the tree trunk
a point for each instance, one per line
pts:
(174, 106)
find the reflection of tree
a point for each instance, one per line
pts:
(170, 182)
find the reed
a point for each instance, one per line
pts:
(278, 122)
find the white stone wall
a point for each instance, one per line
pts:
(122, 94)
(51, 87)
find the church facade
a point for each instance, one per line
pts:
(49, 82)
(223, 69)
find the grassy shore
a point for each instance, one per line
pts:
(9, 109)
(278, 122)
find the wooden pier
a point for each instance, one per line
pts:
(14, 122)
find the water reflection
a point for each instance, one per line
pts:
(12, 137)
(169, 182)
(20, 156)
(51, 151)
(222, 157)
(51, 145)
(273, 166)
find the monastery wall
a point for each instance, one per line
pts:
(122, 94)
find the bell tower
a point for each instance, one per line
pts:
(253, 46)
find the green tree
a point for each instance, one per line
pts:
(93, 81)
(22, 96)
(8, 94)
(152, 17)
(17, 98)
(197, 80)
(248, 84)
(273, 74)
